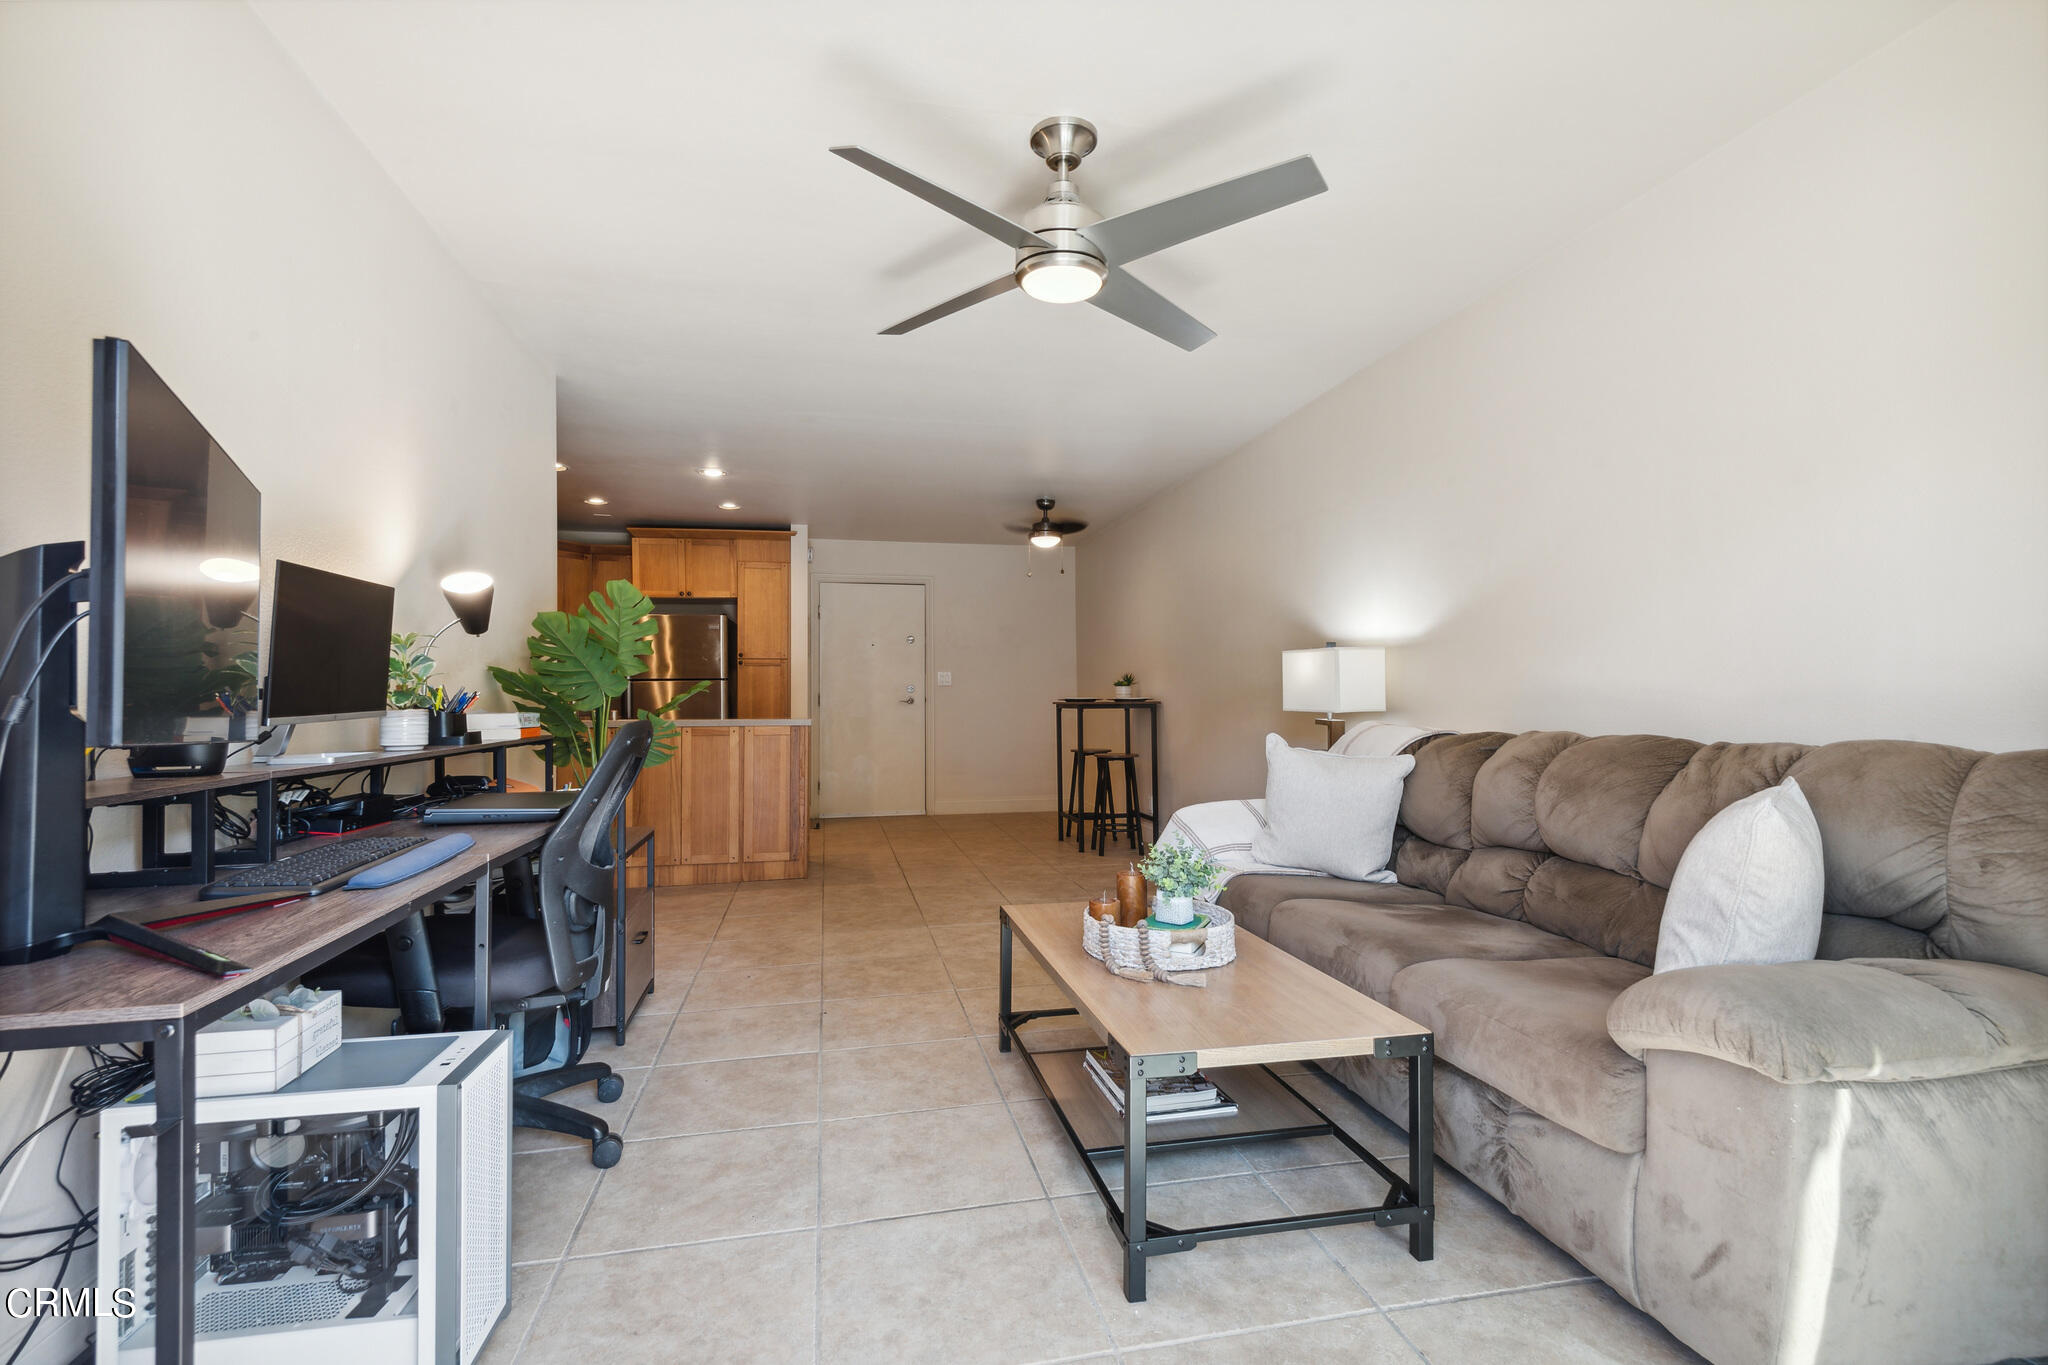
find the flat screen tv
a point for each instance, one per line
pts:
(330, 646)
(176, 558)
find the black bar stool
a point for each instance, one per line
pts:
(1071, 813)
(1109, 823)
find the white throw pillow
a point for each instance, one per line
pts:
(1749, 886)
(1329, 812)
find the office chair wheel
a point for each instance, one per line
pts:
(606, 1151)
(609, 1089)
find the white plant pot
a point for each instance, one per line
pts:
(402, 730)
(1176, 910)
(1123, 691)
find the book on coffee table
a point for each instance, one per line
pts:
(1166, 1097)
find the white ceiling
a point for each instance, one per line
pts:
(643, 192)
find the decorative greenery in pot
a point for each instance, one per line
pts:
(411, 670)
(584, 662)
(1183, 874)
(1124, 685)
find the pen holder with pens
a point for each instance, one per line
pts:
(447, 726)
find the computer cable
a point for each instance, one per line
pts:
(17, 705)
(28, 618)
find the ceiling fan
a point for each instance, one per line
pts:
(1069, 253)
(1046, 533)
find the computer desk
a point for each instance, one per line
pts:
(100, 993)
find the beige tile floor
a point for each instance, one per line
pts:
(827, 1159)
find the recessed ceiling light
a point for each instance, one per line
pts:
(712, 472)
(601, 514)
(728, 507)
(597, 502)
(560, 467)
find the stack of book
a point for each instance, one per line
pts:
(1166, 1097)
(491, 726)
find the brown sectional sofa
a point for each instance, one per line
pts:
(1843, 1160)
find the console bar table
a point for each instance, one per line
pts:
(1081, 706)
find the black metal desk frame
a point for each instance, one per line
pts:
(1150, 705)
(172, 1047)
(1410, 1201)
(200, 865)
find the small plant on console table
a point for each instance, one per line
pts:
(1183, 874)
(584, 662)
(1124, 685)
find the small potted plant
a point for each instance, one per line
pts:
(404, 724)
(1124, 685)
(1183, 874)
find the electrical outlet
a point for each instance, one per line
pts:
(945, 679)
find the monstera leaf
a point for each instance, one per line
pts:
(581, 664)
(623, 620)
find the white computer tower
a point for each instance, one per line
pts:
(359, 1214)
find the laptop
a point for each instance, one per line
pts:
(487, 808)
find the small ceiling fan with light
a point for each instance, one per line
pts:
(1069, 253)
(1045, 533)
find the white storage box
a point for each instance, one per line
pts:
(242, 1056)
(319, 1030)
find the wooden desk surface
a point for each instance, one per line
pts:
(114, 791)
(1266, 1006)
(100, 983)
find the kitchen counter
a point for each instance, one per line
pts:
(680, 720)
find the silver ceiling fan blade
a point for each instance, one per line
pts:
(1002, 284)
(1142, 306)
(994, 224)
(1139, 233)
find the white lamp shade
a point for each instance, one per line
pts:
(1333, 680)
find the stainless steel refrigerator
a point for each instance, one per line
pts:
(689, 647)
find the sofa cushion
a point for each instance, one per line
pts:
(1253, 896)
(1537, 1032)
(1366, 945)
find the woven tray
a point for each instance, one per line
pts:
(1142, 949)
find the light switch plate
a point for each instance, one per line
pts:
(945, 679)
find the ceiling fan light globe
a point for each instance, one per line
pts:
(1046, 540)
(1061, 277)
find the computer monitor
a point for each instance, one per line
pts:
(176, 565)
(330, 643)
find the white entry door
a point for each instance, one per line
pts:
(870, 717)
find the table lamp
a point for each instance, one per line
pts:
(1332, 679)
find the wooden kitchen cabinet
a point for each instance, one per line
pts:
(707, 825)
(773, 804)
(762, 689)
(733, 805)
(658, 566)
(581, 569)
(708, 569)
(764, 612)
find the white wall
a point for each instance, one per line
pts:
(171, 178)
(1763, 456)
(1008, 641)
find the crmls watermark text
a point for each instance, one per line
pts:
(24, 1302)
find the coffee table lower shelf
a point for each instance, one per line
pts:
(1269, 1110)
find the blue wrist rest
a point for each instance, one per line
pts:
(411, 863)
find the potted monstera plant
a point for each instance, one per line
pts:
(584, 661)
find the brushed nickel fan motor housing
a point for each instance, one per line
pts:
(1058, 219)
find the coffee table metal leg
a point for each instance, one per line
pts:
(1003, 988)
(1422, 1151)
(1134, 1181)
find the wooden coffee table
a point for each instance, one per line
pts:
(1265, 1007)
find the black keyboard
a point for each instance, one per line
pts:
(317, 869)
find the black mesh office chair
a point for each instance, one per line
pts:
(549, 953)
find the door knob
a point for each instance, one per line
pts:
(910, 701)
